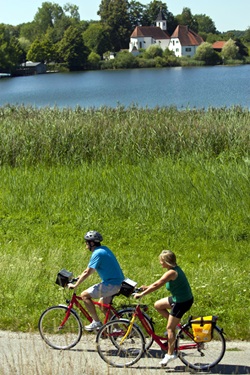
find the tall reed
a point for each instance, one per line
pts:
(30, 136)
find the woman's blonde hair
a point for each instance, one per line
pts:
(168, 257)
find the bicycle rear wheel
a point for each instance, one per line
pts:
(57, 333)
(201, 356)
(116, 349)
(127, 314)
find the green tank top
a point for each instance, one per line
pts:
(179, 288)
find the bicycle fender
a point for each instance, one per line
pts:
(221, 330)
(130, 309)
(73, 311)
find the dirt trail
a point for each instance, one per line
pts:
(27, 354)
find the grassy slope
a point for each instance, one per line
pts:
(196, 205)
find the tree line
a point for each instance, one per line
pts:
(60, 38)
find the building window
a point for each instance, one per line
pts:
(188, 49)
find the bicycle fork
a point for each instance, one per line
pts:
(128, 330)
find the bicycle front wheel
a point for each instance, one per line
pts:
(60, 328)
(204, 355)
(117, 347)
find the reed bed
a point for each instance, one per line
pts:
(30, 136)
(147, 180)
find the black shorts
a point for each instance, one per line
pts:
(178, 309)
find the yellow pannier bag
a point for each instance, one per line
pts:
(203, 328)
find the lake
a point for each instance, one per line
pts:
(195, 87)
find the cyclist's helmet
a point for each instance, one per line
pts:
(94, 236)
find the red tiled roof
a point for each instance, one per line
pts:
(149, 31)
(187, 36)
(219, 44)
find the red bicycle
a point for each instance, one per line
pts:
(121, 343)
(61, 328)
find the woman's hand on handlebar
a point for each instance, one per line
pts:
(71, 286)
(137, 293)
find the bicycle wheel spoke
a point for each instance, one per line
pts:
(116, 347)
(59, 330)
(201, 356)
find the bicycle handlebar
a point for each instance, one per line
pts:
(137, 290)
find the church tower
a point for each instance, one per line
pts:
(161, 21)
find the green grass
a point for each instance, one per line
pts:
(178, 181)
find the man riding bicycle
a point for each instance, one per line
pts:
(105, 263)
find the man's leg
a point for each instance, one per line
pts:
(89, 305)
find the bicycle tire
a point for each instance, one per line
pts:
(203, 356)
(53, 334)
(127, 314)
(115, 352)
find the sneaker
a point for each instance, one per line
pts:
(93, 326)
(168, 358)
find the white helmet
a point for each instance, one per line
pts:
(94, 236)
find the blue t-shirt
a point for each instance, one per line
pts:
(106, 265)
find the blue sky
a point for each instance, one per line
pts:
(226, 14)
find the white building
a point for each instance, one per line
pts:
(183, 41)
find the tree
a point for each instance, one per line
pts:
(153, 51)
(72, 50)
(206, 53)
(48, 16)
(230, 50)
(51, 15)
(137, 14)
(36, 52)
(186, 18)
(11, 53)
(115, 15)
(124, 60)
(28, 31)
(73, 11)
(205, 24)
(247, 35)
(25, 44)
(97, 38)
(94, 60)
(152, 11)
(242, 49)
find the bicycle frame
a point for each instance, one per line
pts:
(160, 340)
(75, 302)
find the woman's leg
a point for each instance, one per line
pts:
(161, 306)
(172, 323)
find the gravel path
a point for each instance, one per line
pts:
(27, 354)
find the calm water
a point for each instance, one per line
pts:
(182, 87)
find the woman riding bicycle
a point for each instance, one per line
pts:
(179, 303)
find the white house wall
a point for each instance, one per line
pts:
(140, 43)
(145, 42)
(163, 43)
(179, 50)
(175, 46)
